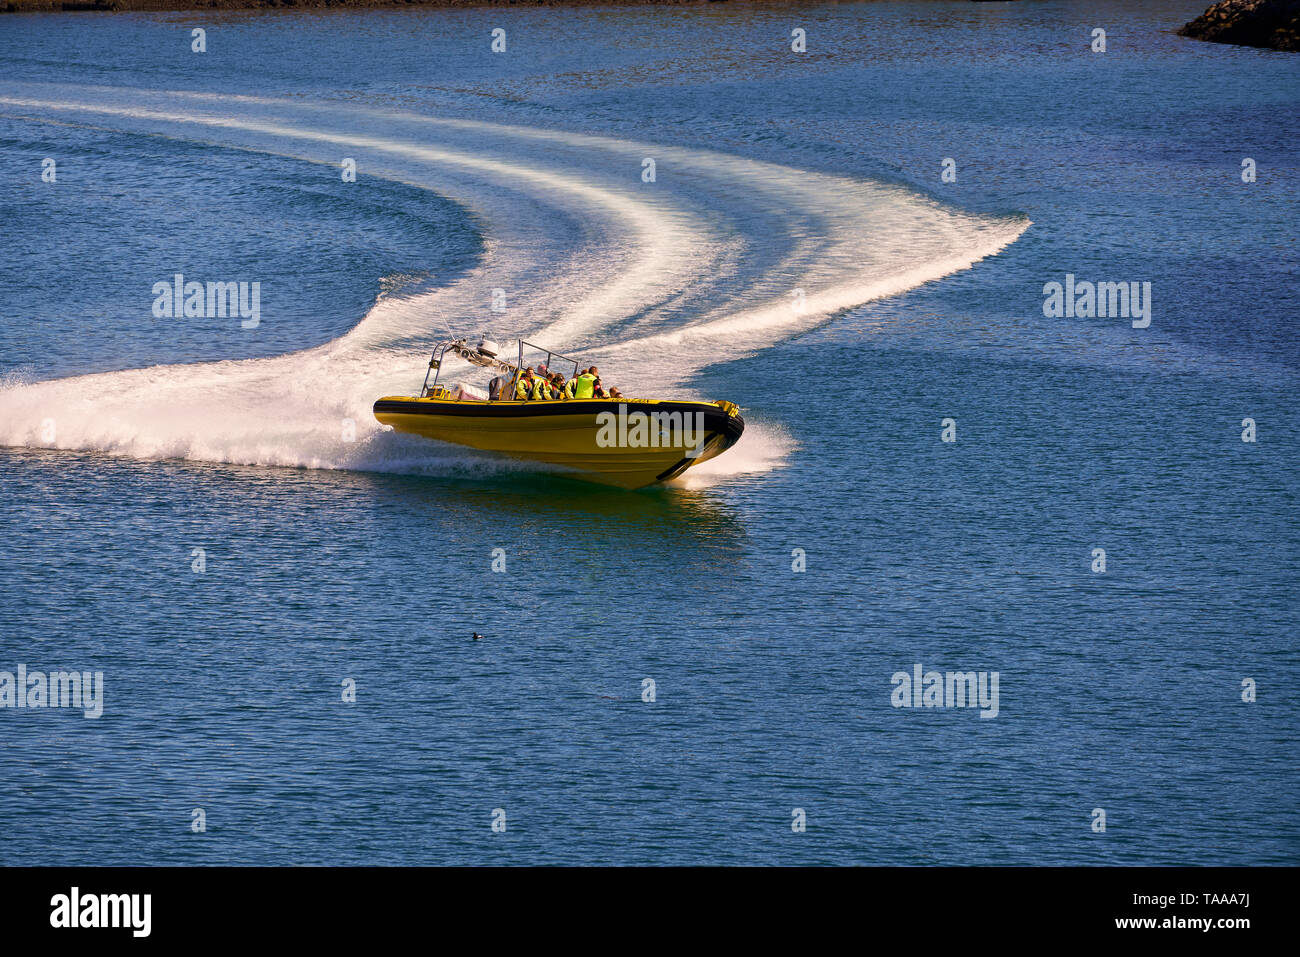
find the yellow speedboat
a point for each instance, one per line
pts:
(629, 443)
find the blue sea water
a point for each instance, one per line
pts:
(335, 552)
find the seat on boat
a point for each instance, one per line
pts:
(467, 393)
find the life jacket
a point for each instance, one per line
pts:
(541, 388)
(521, 388)
(584, 386)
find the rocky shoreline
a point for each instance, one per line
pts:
(159, 6)
(1274, 24)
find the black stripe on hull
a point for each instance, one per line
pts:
(684, 464)
(716, 420)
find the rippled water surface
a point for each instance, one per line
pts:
(796, 252)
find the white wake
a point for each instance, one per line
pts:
(719, 257)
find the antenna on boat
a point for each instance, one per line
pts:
(446, 325)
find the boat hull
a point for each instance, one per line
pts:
(584, 436)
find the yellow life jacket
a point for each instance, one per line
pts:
(585, 386)
(521, 388)
(541, 388)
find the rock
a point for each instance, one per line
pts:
(1253, 23)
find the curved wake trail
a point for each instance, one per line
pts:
(719, 257)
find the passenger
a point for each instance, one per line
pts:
(585, 385)
(557, 386)
(572, 385)
(541, 388)
(615, 394)
(524, 385)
